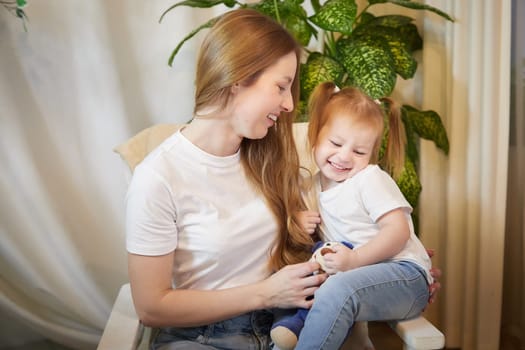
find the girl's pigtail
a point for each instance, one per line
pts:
(394, 158)
(316, 107)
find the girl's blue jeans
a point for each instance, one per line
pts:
(250, 331)
(378, 292)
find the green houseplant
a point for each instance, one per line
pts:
(357, 48)
(17, 8)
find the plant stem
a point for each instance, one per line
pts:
(330, 44)
(360, 13)
(276, 11)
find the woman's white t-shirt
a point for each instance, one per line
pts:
(202, 207)
(350, 211)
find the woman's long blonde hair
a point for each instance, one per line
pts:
(238, 48)
(326, 100)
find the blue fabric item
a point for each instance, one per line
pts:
(294, 323)
(320, 243)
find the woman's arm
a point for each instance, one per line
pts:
(158, 305)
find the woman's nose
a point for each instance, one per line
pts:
(287, 104)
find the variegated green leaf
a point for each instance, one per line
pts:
(316, 5)
(365, 17)
(291, 15)
(336, 16)
(318, 69)
(404, 64)
(392, 21)
(369, 66)
(265, 6)
(409, 184)
(405, 30)
(279, 9)
(300, 29)
(428, 125)
(301, 112)
(411, 37)
(412, 146)
(295, 19)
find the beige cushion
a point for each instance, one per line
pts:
(137, 147)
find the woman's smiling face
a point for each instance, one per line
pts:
(257, 107)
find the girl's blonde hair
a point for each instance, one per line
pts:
(238, 49)
(326, 101)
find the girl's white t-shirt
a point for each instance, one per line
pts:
(350, 211)
(202, 207)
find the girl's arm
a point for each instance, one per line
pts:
(158, 305)
(393, 234)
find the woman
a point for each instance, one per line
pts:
(208, 232)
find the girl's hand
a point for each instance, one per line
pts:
(342, 259)
(309, 220)
(292, 285)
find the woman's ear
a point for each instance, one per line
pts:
(235, 88)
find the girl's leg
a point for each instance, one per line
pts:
(384, 291)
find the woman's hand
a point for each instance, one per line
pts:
(436, 274)
(292, 286)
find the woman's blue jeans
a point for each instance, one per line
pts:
(246, 332)
(383, 291)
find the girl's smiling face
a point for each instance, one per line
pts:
(343, 148)
(257, 107)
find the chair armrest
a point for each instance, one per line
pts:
(123, 330)
(419, 334)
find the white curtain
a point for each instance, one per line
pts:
(84, 77)
(463, 204)
(89, 74)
